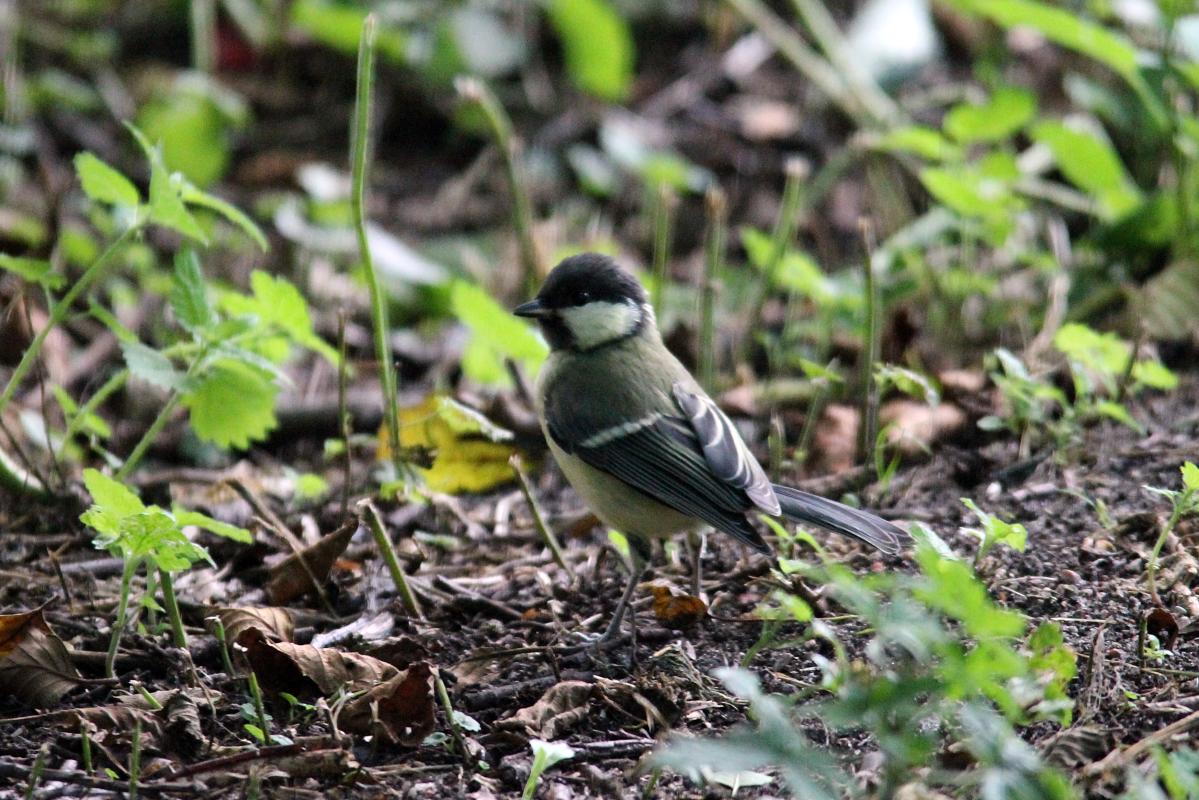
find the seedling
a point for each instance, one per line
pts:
(545, 755)
(994, 531)
(1183, 503)
(146, 535)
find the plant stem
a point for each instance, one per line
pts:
(143, 444)
(375, 523)
(1167, 529)
(785, 225)
(259, 708)
(172, 607)
(113, 384)
(867, 431)
(360, 146)
(543, 530)
(203, 32)
(62, 308)
(664, 204)
(474, 90)
(714, 249)
(118, 627)
(443, 696)
(343, 410)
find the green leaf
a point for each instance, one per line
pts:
(995, 531)
(339, 27)
(192, 131)
(597, 45)
(104, 184)
(233, 405)
(189, 294)
(1155, 375)
(276, 302)
(111, 495)
(151, 366)
(34, 270)
(1105, 353)
(1190, 476)
(196, 197)
(1117, 411)
(928, 143)
(1090, 163)
(1007, 111)
(205, 522)
(1063, 27)
(495, 335)
(166, 204)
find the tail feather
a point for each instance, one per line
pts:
(862, 525)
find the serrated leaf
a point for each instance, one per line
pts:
(34, 270)
(151, 366)
(111, 494)
(166, 204)
(1190, 476)
(104, 184)
(193, 195)
(189, 294)
(233, 405)
(495, 335)
(597, 45)
(277, 302)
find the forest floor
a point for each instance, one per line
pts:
(504, 625)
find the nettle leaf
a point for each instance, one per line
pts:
(995, 531)
(166, 203)
(192, 195)
(110, 494)
(1105, 353)
(1090, 163)
(154, 535)
(597, 45)
(233, 405)
(151, 366)
(276, 302)
(103, 183)
(34, 270)
(495, 335)
(205, 522)
(1190, 476)
(189, 294)
(928, 143)
(1008, 110)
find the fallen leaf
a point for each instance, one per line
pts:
(914, 426)
(561, 708)
(275, 624)
(34, 665)
(677, 611)
(835, 442)
(400, 709)
(1161, 623)
(290, 578)
(302, 669)
(469, 452)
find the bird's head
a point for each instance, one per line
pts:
(587, 302)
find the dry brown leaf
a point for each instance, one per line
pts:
(914, 426)
(290, 579)
(302, 669)
(677, 611)
(835, 442)
(400, 709)
(275, 624)
(559, 709)
(34, 665)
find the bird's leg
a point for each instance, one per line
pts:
(695, 542)
(618, 615)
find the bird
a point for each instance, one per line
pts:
(640, 440)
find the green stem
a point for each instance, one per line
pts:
(118, 627)
(714, 250)
(143, 444)
(1175, 516)
(359, 158)
(375, 524)
(781, 237)
(61, 309)
(475, 91)
(172, 607)
(543, 530)
(203, 31)
(135, 759)
(867, 431)
(259, 708)
(113, 384)
(664, 201)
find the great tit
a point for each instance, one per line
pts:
(637, 436)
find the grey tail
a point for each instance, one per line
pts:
(862, 525)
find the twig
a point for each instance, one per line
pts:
(869, 424)
(663, 218)
(343, 410)
(1121, 756)
(714, 248)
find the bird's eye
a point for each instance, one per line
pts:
(584, 297)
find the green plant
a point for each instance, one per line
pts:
(146, 535)
(994, 531)
(1183, 503)
(943, 661)
(545, 755)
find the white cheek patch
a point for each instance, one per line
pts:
(600, 322)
